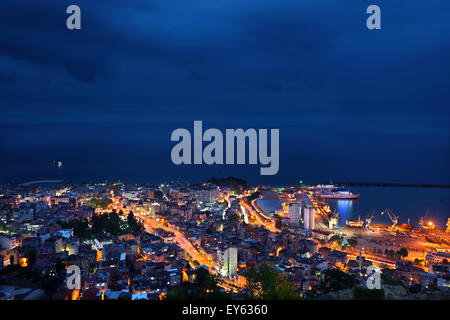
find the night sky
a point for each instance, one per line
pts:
(351, 104)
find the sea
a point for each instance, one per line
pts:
(408, 203)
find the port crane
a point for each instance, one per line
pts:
(389, 213)
(372, 214)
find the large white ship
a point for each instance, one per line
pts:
(340, 195)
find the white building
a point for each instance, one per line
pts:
(207, 194)
(294, 214)
(227, 261)
(308, 217)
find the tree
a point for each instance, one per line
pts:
(99, 203)
(268, 284)
(361, 293)
(419, 262)
(133, 224)
(278, 224)
(352, 242)
(403, 252)
(336, 280)
(235, 184)
(204, 287)
(390, 277)
(113, 224)
(81, 230)
(335, 238)
(158, 194)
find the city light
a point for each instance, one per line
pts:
(23, 262)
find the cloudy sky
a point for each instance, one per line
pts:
(351, 103)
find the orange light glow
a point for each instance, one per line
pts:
(76, 294)
(23, 262)
(185, 276)
(99, 255)
(278, 250)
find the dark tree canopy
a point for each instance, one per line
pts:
(267, 283)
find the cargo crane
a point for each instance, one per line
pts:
(389, 213)
(392, 216)
(372, 214)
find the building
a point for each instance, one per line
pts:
(294, 214)
(308, 217)
(437, 257)
(227, 261)
(207, 194)
(8, 242)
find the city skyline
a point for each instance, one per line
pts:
(220, 239)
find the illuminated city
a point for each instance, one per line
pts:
(217, 158)
(148, 242)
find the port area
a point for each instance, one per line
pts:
(378, 238)
(417, 244)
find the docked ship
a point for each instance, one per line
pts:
(340, 195)
(327, 187)
(355, 223)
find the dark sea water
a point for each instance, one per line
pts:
(412, 203)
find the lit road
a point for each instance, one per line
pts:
(257, 218)
(187, 246)
(376, 259)
(184, 243)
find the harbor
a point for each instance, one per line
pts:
(383, 231)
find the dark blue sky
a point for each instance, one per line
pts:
(350, 103)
